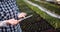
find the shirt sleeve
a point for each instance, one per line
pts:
(2, 23)
(18, 11)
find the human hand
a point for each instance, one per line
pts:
(12, 21)
(22, 15)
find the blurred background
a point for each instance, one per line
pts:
(40, 21)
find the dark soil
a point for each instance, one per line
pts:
(39, 26)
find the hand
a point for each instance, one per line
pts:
(12, 21)
(22, 15)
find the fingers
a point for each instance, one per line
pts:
(12, 22)
(21, 15)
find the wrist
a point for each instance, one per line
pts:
(6, 20)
